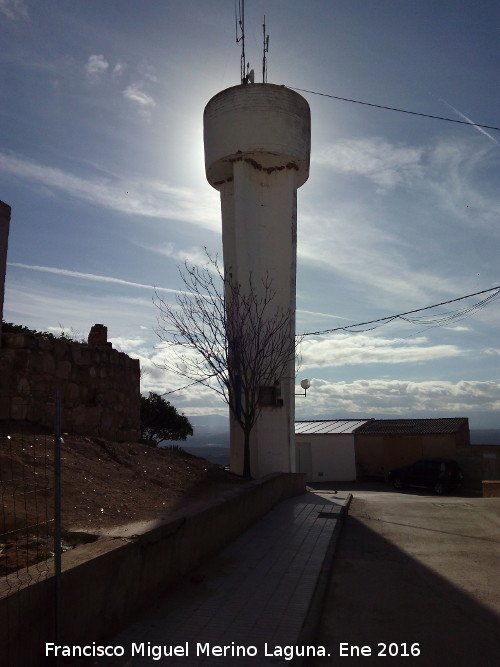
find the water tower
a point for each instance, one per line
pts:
(257, 146)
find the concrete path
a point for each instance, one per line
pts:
(256, 601)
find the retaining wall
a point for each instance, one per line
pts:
(100, 387)
(107, 583)
(479, 462)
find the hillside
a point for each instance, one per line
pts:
(103, 484)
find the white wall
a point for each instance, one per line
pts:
(331, 454)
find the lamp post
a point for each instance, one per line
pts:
(305, 384)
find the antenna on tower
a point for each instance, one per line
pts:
(266, 50)
(240, 37)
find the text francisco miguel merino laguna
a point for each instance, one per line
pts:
(157, 652)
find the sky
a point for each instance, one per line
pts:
(101, 160)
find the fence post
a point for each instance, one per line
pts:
(57, 517)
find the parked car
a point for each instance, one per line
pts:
(437, 474)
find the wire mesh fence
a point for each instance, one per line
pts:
(29, 524)
(26, 503)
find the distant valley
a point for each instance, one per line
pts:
(211, 439)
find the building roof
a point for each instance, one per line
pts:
(328, 426)
(413, 426)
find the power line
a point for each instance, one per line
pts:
(381, 106)
(403, 316)
(180, 388)
(381, 321)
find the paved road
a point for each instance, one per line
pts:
(414, 572)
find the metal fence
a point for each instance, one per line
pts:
(30, 537)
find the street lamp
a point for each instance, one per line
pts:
(305, 384)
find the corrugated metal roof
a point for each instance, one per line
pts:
(413, 426)
(319, 426)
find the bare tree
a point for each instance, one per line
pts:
(230, 337)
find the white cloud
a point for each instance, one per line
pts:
(156, 200)
(366, 398)
(96, 66)
(131, 346)
(374, 158)
(14, 9)
(348, 349)
(135, 93)
(119, 68)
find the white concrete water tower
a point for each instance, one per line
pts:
(257, 148)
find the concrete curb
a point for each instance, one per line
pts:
(313, 615)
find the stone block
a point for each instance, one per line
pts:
(72, 393)
(61, 348)
(19, 409)
(36, 362)
(107, 423)
(22, 359)
(6, 373)
(23, 386)
(81, 355)
(45, 344)
(43, 387)
(48, 363)
(4, 408)
(20, 341)
(92, 416)
(37, 413)
(63, 370)
(77, 417)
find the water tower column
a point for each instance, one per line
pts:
(257, 146)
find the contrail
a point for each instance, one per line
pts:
(464, 117)
(91, 276)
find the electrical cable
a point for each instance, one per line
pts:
(181, 388)
(381, 321)
(381, 106)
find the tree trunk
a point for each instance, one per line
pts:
(246, 454)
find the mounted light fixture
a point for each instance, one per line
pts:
(305, 384)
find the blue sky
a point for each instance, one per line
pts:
(101, 159)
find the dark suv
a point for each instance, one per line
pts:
(437, 474)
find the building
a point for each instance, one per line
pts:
(384, 444)
(348, 449)
(325, 449)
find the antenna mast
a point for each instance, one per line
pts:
(266, 50)
(240, 37)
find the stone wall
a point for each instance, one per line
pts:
(99, 386)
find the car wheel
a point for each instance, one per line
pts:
(439, 488)
(397, 483)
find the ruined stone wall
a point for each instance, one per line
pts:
(99, 386)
